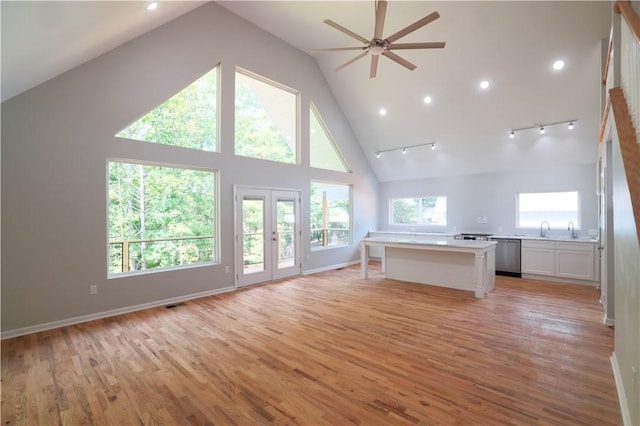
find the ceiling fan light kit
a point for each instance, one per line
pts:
(379, 46)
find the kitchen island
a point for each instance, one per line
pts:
(444, 262)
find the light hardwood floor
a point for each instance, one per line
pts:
(328, 348)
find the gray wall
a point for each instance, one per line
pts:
(58, 137)
(627, 286)
(493, 195)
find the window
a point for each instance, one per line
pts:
(189, 119)
(324, 153)
(418, 211)
(330, 215)
(266, 119)
(557, 208)
(160, 217)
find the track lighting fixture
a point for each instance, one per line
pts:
(542, 127)
(405, 148)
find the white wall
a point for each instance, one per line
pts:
(493, 195)
(58, 137)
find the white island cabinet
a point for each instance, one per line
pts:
(459, 264)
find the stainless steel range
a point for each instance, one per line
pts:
(478, 236)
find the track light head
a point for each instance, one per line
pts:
(512, 134)
(433, 146)
(571, 125)
(542, 130)
(404, 150)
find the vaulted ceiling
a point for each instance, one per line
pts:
(512, 45)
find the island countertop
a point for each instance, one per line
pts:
(468, 244)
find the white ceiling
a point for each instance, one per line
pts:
(511, 44)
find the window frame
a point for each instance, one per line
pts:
(316, 113)
(218, 115)
(216, 221)
(297, 133)
(392, 223)
(329, 247)
(577, 223)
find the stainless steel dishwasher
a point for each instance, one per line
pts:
(508, 256)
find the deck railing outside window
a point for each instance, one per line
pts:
(136, 255)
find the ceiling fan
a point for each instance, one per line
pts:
(383, 46)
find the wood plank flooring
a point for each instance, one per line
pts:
(328, 348)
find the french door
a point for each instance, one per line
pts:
(267, 235)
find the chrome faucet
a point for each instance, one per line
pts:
(573, 231)
(542, 234)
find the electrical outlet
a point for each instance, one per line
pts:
(93, 289)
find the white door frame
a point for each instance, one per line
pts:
(271, 237)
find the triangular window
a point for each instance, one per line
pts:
(266, 119)
(324, 153)
(189, 119)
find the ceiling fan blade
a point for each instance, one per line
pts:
(399, 60)
(411, 28)
(332, 49)
(346, 31)
(374, 66)
(432, 45)
(362, 55)
(381, 10)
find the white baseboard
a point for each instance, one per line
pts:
(98, 315)
(559, 280)
(617, 375)
(330, 268)
(609, 321)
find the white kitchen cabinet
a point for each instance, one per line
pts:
(575, 260)
(538, 257)
(566, 260)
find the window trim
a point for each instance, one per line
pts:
(298, 107)
(577, 224)
(314, 110)
(350, 242)
(413, 225)
(218, 148)
(216, 224)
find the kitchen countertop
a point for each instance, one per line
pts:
(430, 235)
(580, 239)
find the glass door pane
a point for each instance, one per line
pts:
(286, 225)
(253, 235)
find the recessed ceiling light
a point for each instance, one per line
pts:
(152, 6)
(558, 65)
(484, 84)
(383, 111)
(427, 99)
